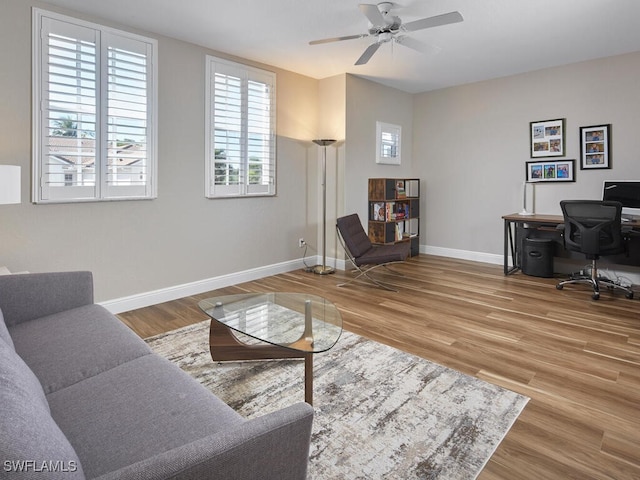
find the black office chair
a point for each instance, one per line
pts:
(593, 227)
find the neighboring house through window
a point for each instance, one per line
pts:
(240, 127)
(94, 97)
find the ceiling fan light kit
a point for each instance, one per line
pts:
(385, 27)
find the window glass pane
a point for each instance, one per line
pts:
(126, 118)
(69, 147)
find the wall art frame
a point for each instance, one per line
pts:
(551, 171)
(547, 138)
(595, 147)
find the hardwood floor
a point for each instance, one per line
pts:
(577, 359)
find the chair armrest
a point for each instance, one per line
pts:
(272, 447)
(24, 297)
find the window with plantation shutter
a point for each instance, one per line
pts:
(240, 116)
(94, 99)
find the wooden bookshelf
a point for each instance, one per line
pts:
(394, 211)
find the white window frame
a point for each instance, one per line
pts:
(245, 74)
(101, 189)
(388, 143)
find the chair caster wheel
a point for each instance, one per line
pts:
(595, 296)
(629, 295)
(559, 287)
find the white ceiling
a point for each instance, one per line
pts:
(497, 37)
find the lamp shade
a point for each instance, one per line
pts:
(9, 184)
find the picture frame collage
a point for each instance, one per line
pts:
(548, 139)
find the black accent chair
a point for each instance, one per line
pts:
(594, 228)
(363, 254)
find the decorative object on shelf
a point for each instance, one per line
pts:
(388, 143)
(528, 208)
(551, 171)
(547, 138)
(9, 184)
(595, 147)
(323, 269)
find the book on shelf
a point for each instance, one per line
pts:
(390, 214)
(400, 191)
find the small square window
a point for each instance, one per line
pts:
(388, 145)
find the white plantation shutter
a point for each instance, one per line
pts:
(240, 130)
(94, 101)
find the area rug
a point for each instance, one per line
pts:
(380, 413)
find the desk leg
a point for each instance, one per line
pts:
(510, 247)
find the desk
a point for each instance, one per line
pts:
(541, 222)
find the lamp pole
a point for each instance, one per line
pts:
(323, 269)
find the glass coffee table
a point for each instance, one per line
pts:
(258, 326)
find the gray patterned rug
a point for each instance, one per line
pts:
(379, 413)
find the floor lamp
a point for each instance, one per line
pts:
(323, 269)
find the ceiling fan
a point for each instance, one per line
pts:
(386, 27)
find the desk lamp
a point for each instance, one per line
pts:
(323, 269)
(525, 210)
(9, 184)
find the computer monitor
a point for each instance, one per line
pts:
(627, 193)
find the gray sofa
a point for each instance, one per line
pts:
(82, 396)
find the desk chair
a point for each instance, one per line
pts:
(363, 254)
(593, 227)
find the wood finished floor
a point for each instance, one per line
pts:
(577, 359)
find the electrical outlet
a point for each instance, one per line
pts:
(301, 242)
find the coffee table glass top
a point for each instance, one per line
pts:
(302, 322)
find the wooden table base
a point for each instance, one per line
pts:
(224, 346)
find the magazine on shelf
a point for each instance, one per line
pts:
(379, 212)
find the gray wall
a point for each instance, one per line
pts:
(468, 144)
(366, 103)
(471, 143)
(181, 237)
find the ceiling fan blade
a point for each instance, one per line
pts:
(368, 53)
(429, 22)
(338, 39)
(417, 45)
(372, 13)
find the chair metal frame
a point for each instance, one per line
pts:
(364, 270)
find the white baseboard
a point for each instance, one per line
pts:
(463, 254)
(155, 297)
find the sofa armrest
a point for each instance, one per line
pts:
(272, 447)
(24, 297)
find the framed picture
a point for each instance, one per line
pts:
(547, 138)
(388, 143)
(595, 147)
(551, 171)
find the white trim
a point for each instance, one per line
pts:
(463, 254)
(155, 297)
(133, 302)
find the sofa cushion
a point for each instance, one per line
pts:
(67, 347)
(31, 443)
(4, 333)
(163, 408)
